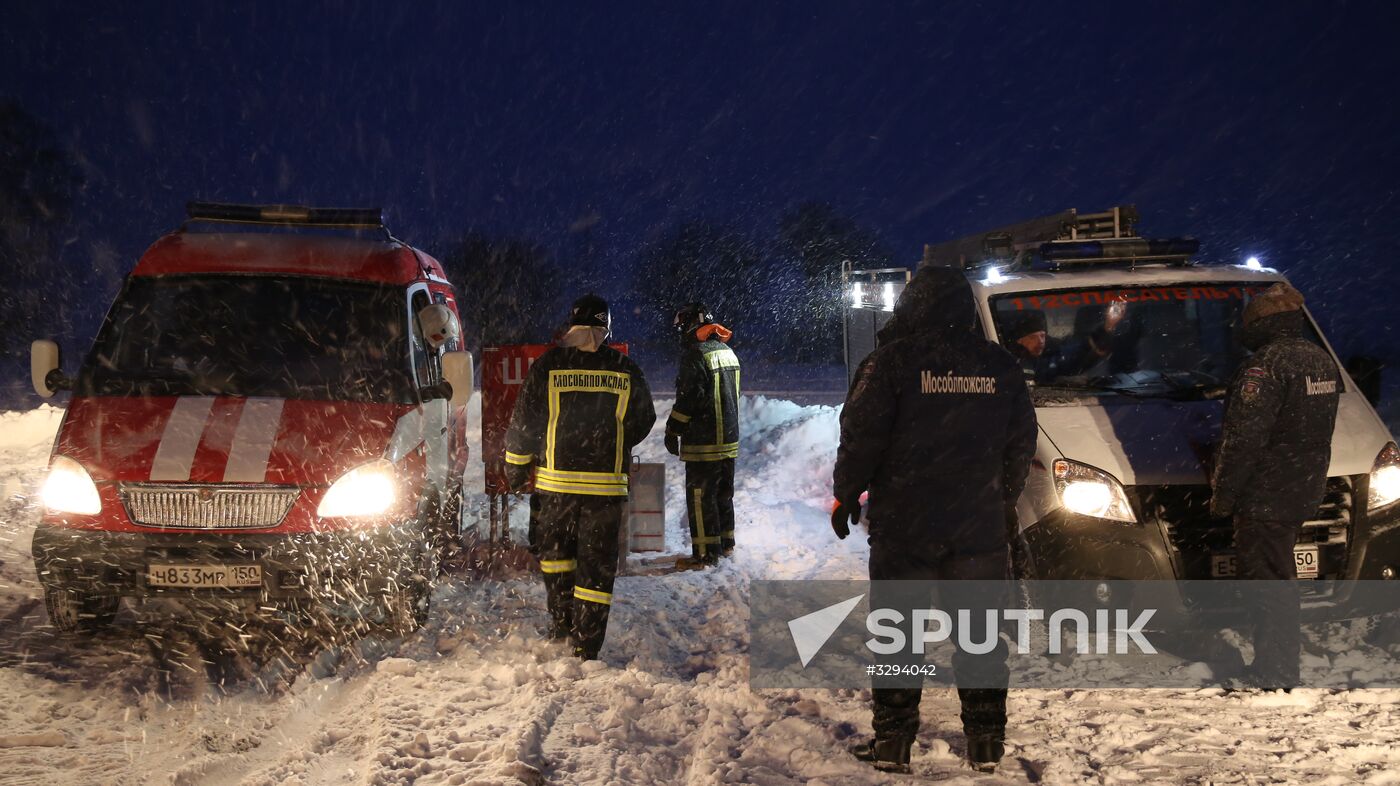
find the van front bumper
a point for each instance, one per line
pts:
(1066, 546)
(1135, 563)
(350, 566)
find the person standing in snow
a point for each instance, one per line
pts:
(583, 407)
(1270, 471)
(704, 431)
(939, 427)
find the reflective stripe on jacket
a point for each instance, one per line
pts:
(706, 415)
(577, 419)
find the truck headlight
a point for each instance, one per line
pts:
(69, 489)
(367, 490)
(1091, 492)
(1385, 478)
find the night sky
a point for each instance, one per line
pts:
(1267, 129)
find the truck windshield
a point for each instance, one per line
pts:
(252, 336)
(1174, 341)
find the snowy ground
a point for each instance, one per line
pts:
(477, 698)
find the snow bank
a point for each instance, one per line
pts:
(25, 441)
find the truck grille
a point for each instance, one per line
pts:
(1332, 523)
(177, 506)
(1184, 510)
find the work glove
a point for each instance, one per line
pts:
(517, 477)
(843, 515)
(673, 444)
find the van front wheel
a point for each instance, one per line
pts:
(407, 606)
(71, 611)
(445, 527)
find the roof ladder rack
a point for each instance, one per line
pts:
(287, 215)
(1063, 238)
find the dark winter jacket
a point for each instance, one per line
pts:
(706, 415)
(577, 419)
(1277, 441)
(938, 425)
(1061, 358)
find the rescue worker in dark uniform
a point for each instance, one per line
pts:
(939, 428)
(1047, 359)
(583, 407)
(704, 431)
(1270, 471)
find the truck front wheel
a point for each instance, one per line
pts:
(71, 611)
(406, 606)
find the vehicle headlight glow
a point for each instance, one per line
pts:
(367, 490)
(1385, 478)
(889, 296)
(857, 297)
(1091, 492)
(69, 489)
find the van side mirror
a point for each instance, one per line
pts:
(457, 371)
(1365, 371)
(45, 368)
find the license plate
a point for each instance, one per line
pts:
(204, 575)
(1222, 566)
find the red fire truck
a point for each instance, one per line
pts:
(272, 415)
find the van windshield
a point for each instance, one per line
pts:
(288, 337)
(1174, 341)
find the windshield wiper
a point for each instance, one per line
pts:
(1053, 386)
(1170, 388)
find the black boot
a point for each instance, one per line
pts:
(890, 754)
(559, 629)
(984, 725)
(984, 752)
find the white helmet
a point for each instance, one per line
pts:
(439, 325)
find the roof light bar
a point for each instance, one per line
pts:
(287, 215)
(1120, 249)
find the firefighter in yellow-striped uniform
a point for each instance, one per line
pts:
(704, 431)
(583, 407)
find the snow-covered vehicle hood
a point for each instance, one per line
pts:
(1161, 442)
(218, 439)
